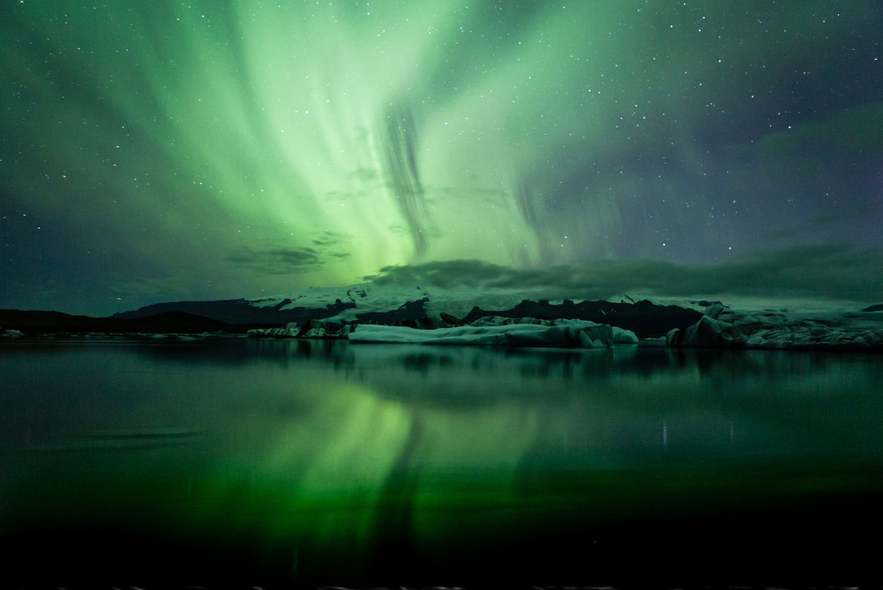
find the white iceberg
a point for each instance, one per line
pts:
(620, 335)
(566, 334)
(290, 331)
(722, 327)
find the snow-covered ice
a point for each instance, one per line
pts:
(567, 334)
(721, 327)
(374, 298)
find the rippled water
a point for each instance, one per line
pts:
(309, 462)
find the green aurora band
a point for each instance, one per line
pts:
(224, 149)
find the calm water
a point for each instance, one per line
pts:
(312, 462)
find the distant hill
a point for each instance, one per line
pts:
(166, 322)
(351, 304)
(242, 311)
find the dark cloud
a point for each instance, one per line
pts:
(277, 261)
(329, 238)
(816, 271)
(330, 244)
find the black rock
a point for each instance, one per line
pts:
(705, 303)
(451, 320)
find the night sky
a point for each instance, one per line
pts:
(161, 151)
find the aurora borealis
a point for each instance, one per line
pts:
(219, 149)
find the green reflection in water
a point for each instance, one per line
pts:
(301, 459)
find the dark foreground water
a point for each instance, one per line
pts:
(320, 462)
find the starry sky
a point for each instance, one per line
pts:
(161, 151)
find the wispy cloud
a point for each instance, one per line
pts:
(277, 261)
(329, 238)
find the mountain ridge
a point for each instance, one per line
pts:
(165, 322)
(384, 305)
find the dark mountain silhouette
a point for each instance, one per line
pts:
(241, 311)
(162, 323)
(644, 318)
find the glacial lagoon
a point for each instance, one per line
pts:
(328, 462)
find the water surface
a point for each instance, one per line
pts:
(321, 461)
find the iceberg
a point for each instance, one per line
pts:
(566, 334)
(721, 327)
(488, 331)
(286, 332)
